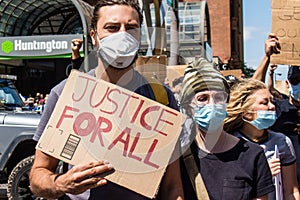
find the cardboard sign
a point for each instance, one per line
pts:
(285, 23)
(235, 72)
(152, 66)
(97, 120)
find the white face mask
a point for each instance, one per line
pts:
(119, 49)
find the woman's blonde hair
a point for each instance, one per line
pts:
(240, 102)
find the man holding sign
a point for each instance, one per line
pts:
(115, 31)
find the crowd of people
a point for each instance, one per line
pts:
(239, 134)
(36, 103)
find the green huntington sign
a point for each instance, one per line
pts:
(52, 46)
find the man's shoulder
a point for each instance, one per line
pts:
(59, 87)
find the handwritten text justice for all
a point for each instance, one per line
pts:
(112, 103)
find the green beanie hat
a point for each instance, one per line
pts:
(199, 76)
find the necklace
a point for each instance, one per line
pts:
(259, 139)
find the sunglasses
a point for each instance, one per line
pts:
(202, 98)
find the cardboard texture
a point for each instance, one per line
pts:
(152, 66)
(235, 72)
(97, 120)
(285, 23)
(175, 71)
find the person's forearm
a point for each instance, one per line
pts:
(271, 81)
(43, 184)
(75, 55)
(289, 182)
(260, 73)
(292, 196)
(42, 176)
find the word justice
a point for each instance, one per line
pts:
(114, 102)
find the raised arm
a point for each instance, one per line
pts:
(271, 86)
(76, 45)
(272, 46)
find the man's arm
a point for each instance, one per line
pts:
(271, 77)
(271, 87)
(44, 182)
(42, 176)
(76, 59)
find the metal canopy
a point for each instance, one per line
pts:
(46, 17)
(41, 17)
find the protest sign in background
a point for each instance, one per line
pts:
(285, 24)
(96, 120)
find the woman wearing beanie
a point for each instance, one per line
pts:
(250, 114)
(228, 167)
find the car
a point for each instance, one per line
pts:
(17, 127)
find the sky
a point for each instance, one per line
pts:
(257, 19)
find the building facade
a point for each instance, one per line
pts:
(226, 23)
(221, 36)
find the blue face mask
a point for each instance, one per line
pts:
(210, 117)
(265, 119)
(294, 91)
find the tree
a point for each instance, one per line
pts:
(247, 71)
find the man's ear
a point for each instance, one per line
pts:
(93, 37)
